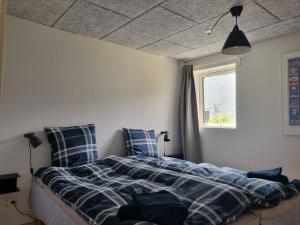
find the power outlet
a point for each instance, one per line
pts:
(6, 199)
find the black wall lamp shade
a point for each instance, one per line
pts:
(33, 140)
(166, 136)
(236, 43)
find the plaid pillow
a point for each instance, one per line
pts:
(72, 146)
(140, 142)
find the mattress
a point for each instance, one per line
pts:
(53, 211)
(50, 209)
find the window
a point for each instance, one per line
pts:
(216, 89)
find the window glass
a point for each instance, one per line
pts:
(219, 99)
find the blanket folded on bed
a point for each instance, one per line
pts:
(269, 172)
(159, 207)
(212, 195)
(271, 175)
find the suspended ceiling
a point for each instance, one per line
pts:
(173, 28)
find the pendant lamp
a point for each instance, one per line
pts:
(237, 42)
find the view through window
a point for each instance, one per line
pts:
(217, 96)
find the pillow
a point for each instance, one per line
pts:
(72, 146)
(140, 142)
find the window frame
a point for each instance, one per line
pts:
(200, 74)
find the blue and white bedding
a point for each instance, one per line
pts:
(263, 193)
(212, 195)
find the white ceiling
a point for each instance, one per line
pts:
(172, 28)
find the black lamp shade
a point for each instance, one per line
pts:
(236, 43)
(166, 136)
(33, 140)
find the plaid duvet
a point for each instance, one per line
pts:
(97, 190)
(263, 193)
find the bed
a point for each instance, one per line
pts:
(67, 196)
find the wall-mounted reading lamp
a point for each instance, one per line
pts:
(166, 139)
(166, 136)
(33, 141)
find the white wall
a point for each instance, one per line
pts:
(54, 78)
(257, 142)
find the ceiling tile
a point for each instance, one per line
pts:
(40, 11)
(201, 10)
(131, 8)
(252, 18)
(275, 30)
(196, 37)
(164, 48)
(152, 26)
(200, 52)
(284, 9)
(90, 20)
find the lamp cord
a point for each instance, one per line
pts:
(213, 27)
(19, 211)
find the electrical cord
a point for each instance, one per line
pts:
(30, 163)
(19, 211)
(212, 28)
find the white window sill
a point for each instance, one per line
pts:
(219, 127)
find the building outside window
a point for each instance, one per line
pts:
(216, 93)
